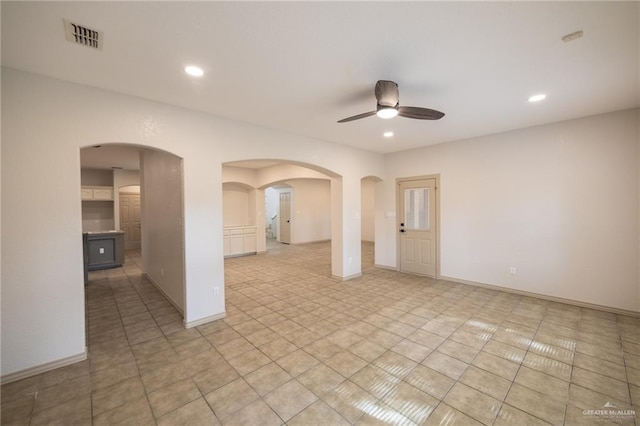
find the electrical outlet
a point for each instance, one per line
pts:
(512, 270)
(216, 291)
(101, 250)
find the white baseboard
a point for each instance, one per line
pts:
(205, 320)
(161, 290)
(388, 268)
(545, 297)
(189, 324)
(43, 368)
(250, 253)
(304, 243)
(348, 277)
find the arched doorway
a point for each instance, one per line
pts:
(342, 201)
(158, 175)
(307, 192)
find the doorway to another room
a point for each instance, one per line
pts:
(137, 201)
(273, 216)
(418, 225)
(278, 202)
(285, 217)
(130, 217)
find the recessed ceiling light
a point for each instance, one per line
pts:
(387, 134)
(194, 71)
(537, 98)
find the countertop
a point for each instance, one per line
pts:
(103, 232)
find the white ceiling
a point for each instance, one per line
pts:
(302, 66)
(110, 156)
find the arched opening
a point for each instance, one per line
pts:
(137, 198)
(287, 202)
(323, 208)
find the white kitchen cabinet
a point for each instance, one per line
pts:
(249, 240)
(236, 242)
(86, 194)
(239, 240)
(225, 242)
(96, 193)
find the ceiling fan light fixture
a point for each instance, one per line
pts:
(537, 98)
(387, 112)
(388, 106)
(194, 71)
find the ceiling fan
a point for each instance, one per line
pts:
(388, 107)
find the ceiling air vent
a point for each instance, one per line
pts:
(80, 34)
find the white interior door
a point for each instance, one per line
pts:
(417, 226)
(285, 217)
(130, 220)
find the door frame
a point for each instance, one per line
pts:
(399, 219)
(278, 235)
(139, 194)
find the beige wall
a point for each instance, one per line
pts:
(559, 202)
(96, 177)
(235, 204)
(310, 210)
(40, 140)
(368, 209)
(162, 216)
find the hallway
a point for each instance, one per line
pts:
(301, 348)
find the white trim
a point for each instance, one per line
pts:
(249, 253)
(205, 320)
(304, 243)
(43, 368)
(545, 297)
(348, 277)
(160, 289)
(387, 267)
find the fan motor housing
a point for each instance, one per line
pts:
(387, 93)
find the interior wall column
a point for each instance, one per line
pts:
(345, 228)
(259, 219)
(638, 156)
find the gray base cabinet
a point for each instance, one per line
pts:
(102, 250)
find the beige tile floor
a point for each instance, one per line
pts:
(300, 348)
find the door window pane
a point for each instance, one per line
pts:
(416, 209)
